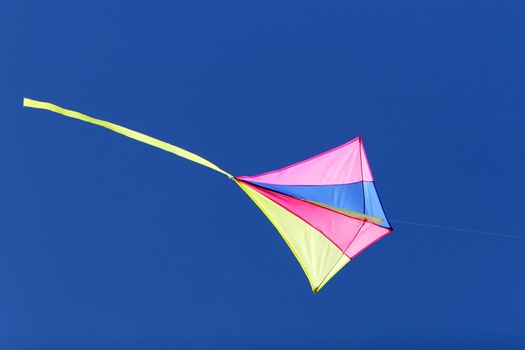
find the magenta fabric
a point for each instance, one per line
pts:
(368, 235)
(342, 165)
(342, 230)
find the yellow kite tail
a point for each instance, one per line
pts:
(126, 132)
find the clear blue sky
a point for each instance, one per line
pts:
(107, 243)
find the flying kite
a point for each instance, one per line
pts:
(326, 208)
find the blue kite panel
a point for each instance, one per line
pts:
(373, 205)
(347, 196)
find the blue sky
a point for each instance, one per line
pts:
(109, 243)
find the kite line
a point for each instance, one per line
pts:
(487, 233)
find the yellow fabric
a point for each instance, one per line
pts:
(126, 132)
(337, 267)
(319, 258)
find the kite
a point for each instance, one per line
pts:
(326, 208)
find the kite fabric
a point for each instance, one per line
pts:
(326, 208)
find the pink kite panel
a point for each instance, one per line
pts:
(367, 236)
(338, 228)
(342, 165)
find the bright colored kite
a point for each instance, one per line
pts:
(326, 208)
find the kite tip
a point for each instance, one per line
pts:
(24, 102)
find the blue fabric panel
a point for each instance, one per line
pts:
(347, 196)
(373, 205)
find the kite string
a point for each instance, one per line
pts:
(487, 233)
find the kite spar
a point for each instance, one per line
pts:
(326, 208)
